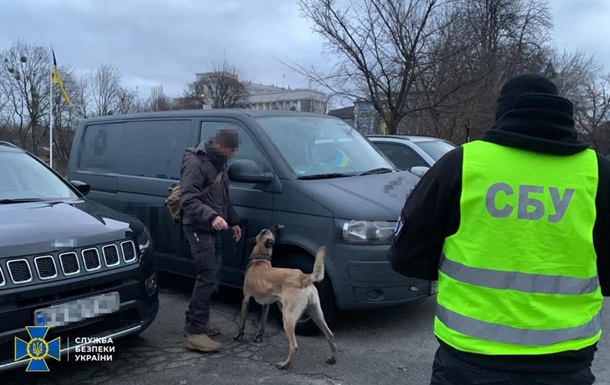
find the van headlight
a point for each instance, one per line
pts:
(365, 232)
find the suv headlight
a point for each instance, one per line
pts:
(366, 232)
(144, 241)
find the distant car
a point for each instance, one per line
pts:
(411, 152)
(66, 263)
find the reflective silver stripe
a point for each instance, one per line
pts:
(510, 335)
(525, 282)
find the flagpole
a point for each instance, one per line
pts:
(51, 116)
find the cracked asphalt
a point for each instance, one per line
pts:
(387, 346)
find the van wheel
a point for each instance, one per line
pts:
(305, 325)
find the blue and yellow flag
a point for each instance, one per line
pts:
(341, 159)
(57, 80)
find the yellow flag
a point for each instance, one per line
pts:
(384, 127)
(57, 80)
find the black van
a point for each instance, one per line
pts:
(313, 175)
(82, 270)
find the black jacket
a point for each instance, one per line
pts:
(199, 209)
(432, 213)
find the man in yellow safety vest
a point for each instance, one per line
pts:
(516, 229)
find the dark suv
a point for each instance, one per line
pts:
(67, 263)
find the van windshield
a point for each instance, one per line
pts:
(23, 179)
(316, 146)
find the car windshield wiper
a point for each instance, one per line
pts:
(380, 170)
(20, 200)
(326, 176)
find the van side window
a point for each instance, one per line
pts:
(247, 148)
(154, 148)
(100, 147)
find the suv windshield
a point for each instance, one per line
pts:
(325, 147)
(435, 148)
(23, 179)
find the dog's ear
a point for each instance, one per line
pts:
(275, 229)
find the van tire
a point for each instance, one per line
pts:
(305, 326)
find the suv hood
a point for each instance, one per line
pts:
(43, 227)
(370, 197)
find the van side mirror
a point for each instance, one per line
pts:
(419, 170)
(248, 171)
(82, 187)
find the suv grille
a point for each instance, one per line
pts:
(111, 255)
(76, 262)
(69, 263)
(19, 270)
(92, 259)
(129, 251)
(45, 267)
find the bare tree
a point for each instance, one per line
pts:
(158, 100)
(487, 42)
(572, 72)
(24, 79)
(221, 88)
(128, 101)
(380, 47)
(592, 114)
(106, 90)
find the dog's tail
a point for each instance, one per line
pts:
(318, 265)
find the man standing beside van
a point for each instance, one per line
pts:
(206, 212)
(515, 228)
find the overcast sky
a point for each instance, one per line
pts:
(166, 42)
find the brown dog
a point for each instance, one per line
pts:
(291, 287)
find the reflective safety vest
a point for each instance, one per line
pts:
(520, 274)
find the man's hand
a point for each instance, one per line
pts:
(236, 233)
(219, 224)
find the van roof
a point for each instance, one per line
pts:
(221, 112)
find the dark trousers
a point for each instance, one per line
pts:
(448, 370)
(204, 247)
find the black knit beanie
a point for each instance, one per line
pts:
(531, 91)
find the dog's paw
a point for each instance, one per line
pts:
(258, 339)
(331, 360)
(282, 365)
(238, 337)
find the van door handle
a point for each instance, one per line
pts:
(170, 188)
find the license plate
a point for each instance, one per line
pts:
(78, 310)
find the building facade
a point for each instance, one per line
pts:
(265, 97)
(278, 98)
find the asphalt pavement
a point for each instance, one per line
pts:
(388, 346)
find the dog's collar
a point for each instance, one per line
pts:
(260, 256)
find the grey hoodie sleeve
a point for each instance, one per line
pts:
(192, 181)
(232, 218)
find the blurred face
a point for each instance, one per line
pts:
(222, 153)
(226, 151)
